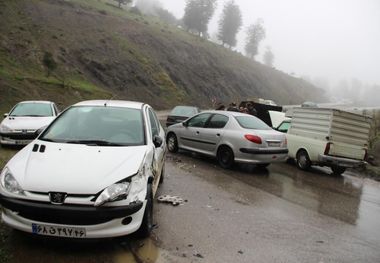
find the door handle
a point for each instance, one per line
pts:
(197, 132)
(218, 134)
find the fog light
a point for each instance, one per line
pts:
(126, 220)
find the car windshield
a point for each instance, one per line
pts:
(32, 110)
(250, 122)
(95, 125)
(184, 111)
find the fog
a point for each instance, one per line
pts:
(329, 40)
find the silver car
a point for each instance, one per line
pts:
(230, 137)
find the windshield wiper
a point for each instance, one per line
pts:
(94, 143)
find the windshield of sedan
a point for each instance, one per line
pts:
(185, 111)
(32, 110)
(250, 122)
(98, 125)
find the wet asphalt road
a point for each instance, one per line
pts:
(279, 214)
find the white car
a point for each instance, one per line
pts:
(230, 137)
(92, 173)
(21, 123)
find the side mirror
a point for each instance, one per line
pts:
(6, 115)
(157, 141)
(185, 124)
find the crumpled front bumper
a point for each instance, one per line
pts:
(99, 222)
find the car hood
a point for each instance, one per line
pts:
(74, 168)
(26, 123)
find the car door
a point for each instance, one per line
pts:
(213, 132)
(159, 152)
(191, 134)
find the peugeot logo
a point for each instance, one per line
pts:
(57, 198)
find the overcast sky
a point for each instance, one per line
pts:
(336, 39)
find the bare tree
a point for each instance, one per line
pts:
(268, 57)
(255, 34)
(230, 23)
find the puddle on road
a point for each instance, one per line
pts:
(146, 252)
(347, 198)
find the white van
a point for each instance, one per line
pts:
(328, 137)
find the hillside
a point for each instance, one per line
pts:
(103, 52)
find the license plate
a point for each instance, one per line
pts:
(274, 144)
(58, 231)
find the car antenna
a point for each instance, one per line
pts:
(105, 103)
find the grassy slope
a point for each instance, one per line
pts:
(103, 52)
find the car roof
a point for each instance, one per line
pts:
(112, 103)
(36, 101)
(227, 113)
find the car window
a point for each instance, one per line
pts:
(284, 127)
(199, 120)
(32, 109)
(218, 121)
(80, 124)
(251, 122)
(153, 123)
(185, 111)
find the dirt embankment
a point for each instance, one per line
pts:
(102, 52)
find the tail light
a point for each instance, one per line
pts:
(327, 149)
(253, 138)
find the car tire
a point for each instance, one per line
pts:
(225, 156)
(337, 170)
(303, 161)
(172, 143)
(262, 165)
(147, 222)
(162, 174)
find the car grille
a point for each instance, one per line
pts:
(66, 219)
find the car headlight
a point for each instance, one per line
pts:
(4, 128)
(9, 183)
(120, 191)
(112, 193)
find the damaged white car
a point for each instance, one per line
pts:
(92, 173)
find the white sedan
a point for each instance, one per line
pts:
(92, 173)
(230, 137)
(21, 123)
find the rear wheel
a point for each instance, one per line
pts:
(147, 223)
(262, 165)
(303, 160)
(172, 143)
(225, 157)
(338, 170)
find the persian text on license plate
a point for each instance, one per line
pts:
(274, 144)
(58, 231)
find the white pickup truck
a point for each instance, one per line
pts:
(328, 137)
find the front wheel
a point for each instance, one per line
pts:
(147, 222)
(338, 170)
(172, 143)
(303, 160)
(225, 157)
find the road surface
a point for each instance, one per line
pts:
(279, 214)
